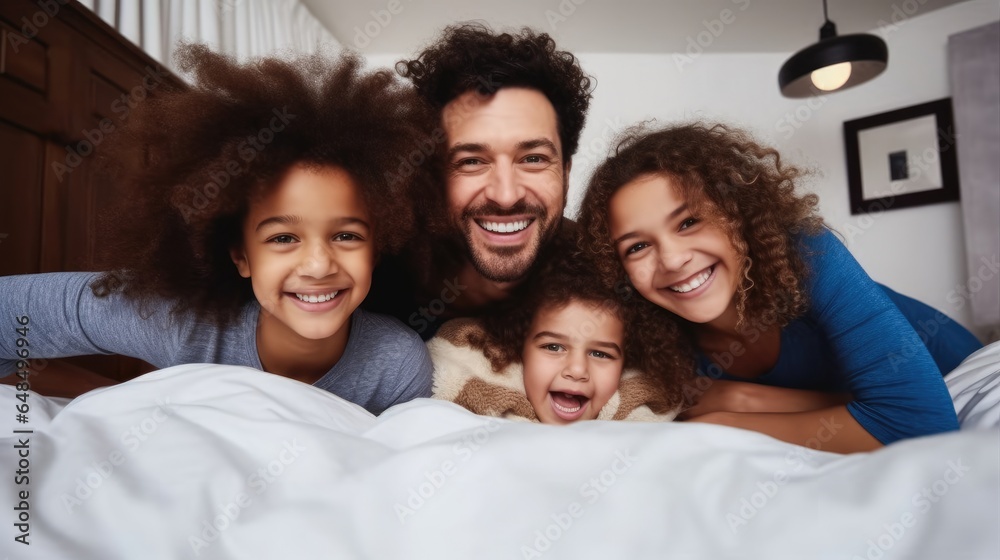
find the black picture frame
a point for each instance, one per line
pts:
(902, 158)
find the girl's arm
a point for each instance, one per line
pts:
(897, 388)
(831, 429)
(740, 396)
(390, 362)
(415, 377)
(57, 315)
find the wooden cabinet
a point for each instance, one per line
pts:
(67, 81)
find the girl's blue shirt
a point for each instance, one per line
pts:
(887, 350)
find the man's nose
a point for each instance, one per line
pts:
(503, 187)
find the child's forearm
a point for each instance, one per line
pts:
(764, 398)
(829, 429)
(740, 396)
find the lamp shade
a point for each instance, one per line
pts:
(866, 54)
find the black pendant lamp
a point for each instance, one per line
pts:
(834, 63)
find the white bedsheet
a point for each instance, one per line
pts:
(975, 388)
(207, 461)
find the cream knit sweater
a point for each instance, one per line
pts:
(463, 375)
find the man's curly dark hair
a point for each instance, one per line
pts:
(190, 162)
(471, 57)
(654, 343)
(726, 176)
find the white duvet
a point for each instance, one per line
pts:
(225, 462)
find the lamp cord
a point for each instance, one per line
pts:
(829, 28)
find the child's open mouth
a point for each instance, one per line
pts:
(568, 406)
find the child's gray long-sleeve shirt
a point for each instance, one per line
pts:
(384, 362)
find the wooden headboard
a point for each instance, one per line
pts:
(67, 80)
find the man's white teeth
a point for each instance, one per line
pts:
(317, 299)
(506, 227)
(564, 409)
(694, 283)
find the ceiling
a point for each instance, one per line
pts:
(632, 26)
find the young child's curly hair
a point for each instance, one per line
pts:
(189, 163)
(726, 176)
(471, 57)
(654, 344)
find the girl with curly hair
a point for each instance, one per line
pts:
(253, 208)
(706, 223)
(560, 356)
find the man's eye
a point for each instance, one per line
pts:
(282, 239)
(469, 162)
(535, 159)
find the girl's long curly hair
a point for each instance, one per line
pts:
(190, 162)
(726, 176)
(654, 344)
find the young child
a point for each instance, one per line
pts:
(254, 206)
(560, 356)
(705, 223)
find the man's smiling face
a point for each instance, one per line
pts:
(506, 178)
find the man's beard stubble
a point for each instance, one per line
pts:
(506, 264)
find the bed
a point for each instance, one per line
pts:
(208, 461)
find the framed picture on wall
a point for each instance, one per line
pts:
(902, 158)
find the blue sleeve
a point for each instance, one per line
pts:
(897, 388)
(948, 342)
(66, 319)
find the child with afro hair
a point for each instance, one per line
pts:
(253, 207)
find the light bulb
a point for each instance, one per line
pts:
(831, 77)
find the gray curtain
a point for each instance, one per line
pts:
(974, 65)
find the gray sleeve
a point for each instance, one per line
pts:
(416, 374)
(386, 363)
(64, 318)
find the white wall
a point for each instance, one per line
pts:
(916, 251)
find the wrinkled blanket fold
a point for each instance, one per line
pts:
(227, 463)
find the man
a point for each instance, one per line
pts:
(512, 108)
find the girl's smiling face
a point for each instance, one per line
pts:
(308, 251)
(572, 361)
(684, 264)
